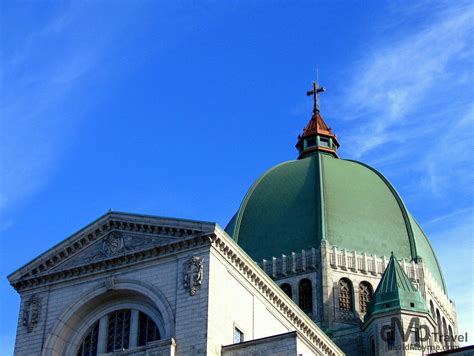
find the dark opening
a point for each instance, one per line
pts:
(311, 142)
(287, 289)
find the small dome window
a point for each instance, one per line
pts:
(324, 142)
(311, 142)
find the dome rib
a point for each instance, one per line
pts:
(438, 266)
(299, 203)
(401, 205)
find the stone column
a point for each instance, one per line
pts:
(364, 259)
(284, 265)
(303, 260)
(134, 328)
(327, 315)
(293, 262)
(102, 338)
(344, 258)
(274, 267)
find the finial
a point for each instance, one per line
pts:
(315, 93)
(392, 255)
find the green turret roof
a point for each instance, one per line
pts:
(395, 292)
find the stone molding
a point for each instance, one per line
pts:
(118, 222)
(273, 294)
(112, 263)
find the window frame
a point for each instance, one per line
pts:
(350, 293)
(108, 308)
(238, 330)
(363, 300)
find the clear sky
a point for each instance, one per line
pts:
(175, 108)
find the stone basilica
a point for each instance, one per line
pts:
(321, 258)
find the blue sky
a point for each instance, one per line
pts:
(175, 108)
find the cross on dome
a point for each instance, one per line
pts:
(317, 136)
(315, 93)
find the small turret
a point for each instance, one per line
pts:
(317, 136)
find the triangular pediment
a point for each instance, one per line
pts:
(114, 244)
(110, 237)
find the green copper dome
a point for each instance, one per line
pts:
(297, 204)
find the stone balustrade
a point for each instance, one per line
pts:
(295, 263)
(363, 263)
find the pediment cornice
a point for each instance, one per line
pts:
(53, 264)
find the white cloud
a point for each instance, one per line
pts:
(454, 164)
(410, 110)
(400, 75)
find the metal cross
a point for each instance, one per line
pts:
(315, 92)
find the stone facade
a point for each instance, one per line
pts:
(190, 278)
(326, 265)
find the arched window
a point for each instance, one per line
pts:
(345, 295)
(89, 342)
(365, 296)
(451, 338)
(438, 323)
(117, 335)
(147, 329)
(287, 289)
(445, 332)
(305, 292)
(432, 309)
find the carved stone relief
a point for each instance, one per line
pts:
(31, 312)
(193, 274)
(112, 244)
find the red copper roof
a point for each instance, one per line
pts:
(317, 126)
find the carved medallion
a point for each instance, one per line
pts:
(113, 244)
(193, 273)
(31, 312)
